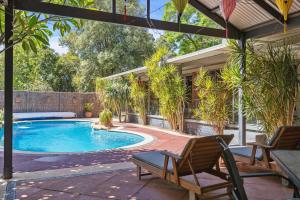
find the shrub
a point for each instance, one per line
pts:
(213, 104)
(114, 94)
(1, 116)
(88, 107)
(138, 96)
(270, 84)
(168, 86)
(105, 118)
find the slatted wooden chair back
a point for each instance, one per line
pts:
(200, 154)
(238, 192)
(286, 137)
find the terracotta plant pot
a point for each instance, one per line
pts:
(88, 114)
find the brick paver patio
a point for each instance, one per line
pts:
(125, 185)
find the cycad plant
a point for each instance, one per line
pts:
(138, 96)
(213, 105)
(270, 85)
(168, 86)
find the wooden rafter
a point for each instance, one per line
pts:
(272, 28)
(82, 13)
(270, 10)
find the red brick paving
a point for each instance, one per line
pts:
(125, 185)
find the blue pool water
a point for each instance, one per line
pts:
(67, 136)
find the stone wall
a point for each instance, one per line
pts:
(25, 101)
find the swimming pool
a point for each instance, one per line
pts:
(57, 136)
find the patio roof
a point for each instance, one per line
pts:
(213, 56)
(138, 70)
(216, 50)
(255, 18)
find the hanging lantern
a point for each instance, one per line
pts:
(180, 6)
(125, 10)
(227, 7)
(284, 7)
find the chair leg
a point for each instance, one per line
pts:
(192, 195)
(139, 172)
(296, 193)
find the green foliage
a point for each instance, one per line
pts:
(88, 107)
(138, 96)
(43, 71)
(59, 71)
(106, 49)
(105, 118)
(182, 42)
(27, 69)
(32, 31)
(1, 116)
(114, 94)
(213, 104)
(168, 86)
(271, 84)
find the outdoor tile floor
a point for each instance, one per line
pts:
(123, 184)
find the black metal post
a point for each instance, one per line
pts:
(241, 114)
(114, 7)
(8, 91)
(148, 9)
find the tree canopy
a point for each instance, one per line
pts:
(184, 43)
(33, 30)
(106, 49)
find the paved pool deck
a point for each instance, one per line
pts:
(123, 184)
(110, 175)
(162, 139)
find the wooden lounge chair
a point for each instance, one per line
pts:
(199, 155)
(238, 191)
(285, 137)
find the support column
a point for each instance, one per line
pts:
(8, 91)
(114, 7)
(241, 116)
(148, 9)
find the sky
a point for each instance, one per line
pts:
(157, 9)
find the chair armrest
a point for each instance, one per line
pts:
(170, 154)
(260, 145)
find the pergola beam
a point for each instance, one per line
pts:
(273, 28)
(270, 10)
(216, 18)
(82, 13)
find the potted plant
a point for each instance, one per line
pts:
(105, 118)
(1, 118)
(88, 108)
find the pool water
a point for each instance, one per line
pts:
(67, 136)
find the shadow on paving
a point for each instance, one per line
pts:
(123, 184)
(38, 162)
